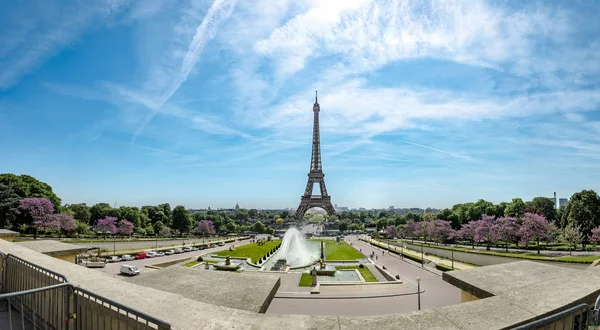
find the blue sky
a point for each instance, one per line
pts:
(206, 103)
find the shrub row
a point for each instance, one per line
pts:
(442, 267)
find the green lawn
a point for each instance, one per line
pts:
(305, 280)
(365, 272)
(253, 250)
(340, 251)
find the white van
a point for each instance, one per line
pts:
(130, 270)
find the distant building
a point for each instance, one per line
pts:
(563, 202)
(237, 206)
(553, 200)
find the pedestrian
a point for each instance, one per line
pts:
(376, 258)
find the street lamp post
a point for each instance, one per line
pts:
(114, 245)
(422, 260)
(418, 293)
(156, 248)
(452, 257)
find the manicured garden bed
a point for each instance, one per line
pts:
(365, 272)
(340, 251)
(252, 250)
(305, 280)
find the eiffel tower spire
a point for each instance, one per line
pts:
(315, 175)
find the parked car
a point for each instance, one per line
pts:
(141, 255)
(188, 249)
(113, 259)
(151, 254)
(160, 254)
(170, 252)
(129, 270)
(212, 246)
(201, 247)
(127, 257)
(195, 248)
(221, 243)
(178, 250)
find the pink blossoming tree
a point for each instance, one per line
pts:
(66, 222)
(205, 228)
(125, 228)
(507, 230)
(108, 225)
(485, 230)
(442, 231)
(595, 237)
(535, 228)
(467, 232)
(391, 231)
(38, 212)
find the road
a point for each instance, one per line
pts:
(123, 245)
(113, 268)
(437, 292)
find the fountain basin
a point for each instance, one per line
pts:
(230, 267)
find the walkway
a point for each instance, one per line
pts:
(436, 293)
(435, 259)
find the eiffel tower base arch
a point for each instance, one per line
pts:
(307, 203)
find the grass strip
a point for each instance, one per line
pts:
(519, 255)
(252, 251)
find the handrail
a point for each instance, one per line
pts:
(30, 279)
(80, 292)
(32, 265)
(584, 312)
(36, 290)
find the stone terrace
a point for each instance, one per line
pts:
(237, 290)
(510, 306)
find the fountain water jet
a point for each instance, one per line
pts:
(296, 250)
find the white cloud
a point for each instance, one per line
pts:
(33, 33)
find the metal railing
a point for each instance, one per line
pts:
(96, 312)
(574, 318)
(43, 299)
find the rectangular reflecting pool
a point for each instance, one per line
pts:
(348, 275)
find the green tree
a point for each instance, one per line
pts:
(571, 235)
(99, 211)
(583, 211)
(158, 226)
(9, 203)
(269, 230)
(81, 213)
(242, 215)
(258, 227)
(544, 206)
(149, 230)
(343, 226)
(166, 209)
(131, 214)
(180, 219)
(26, 186)
(253, 213)
(516, 208)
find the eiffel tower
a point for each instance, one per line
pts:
(308, 200)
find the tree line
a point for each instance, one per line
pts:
(581, 212)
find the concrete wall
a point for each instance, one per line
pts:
(69, 257)
(466, 297)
